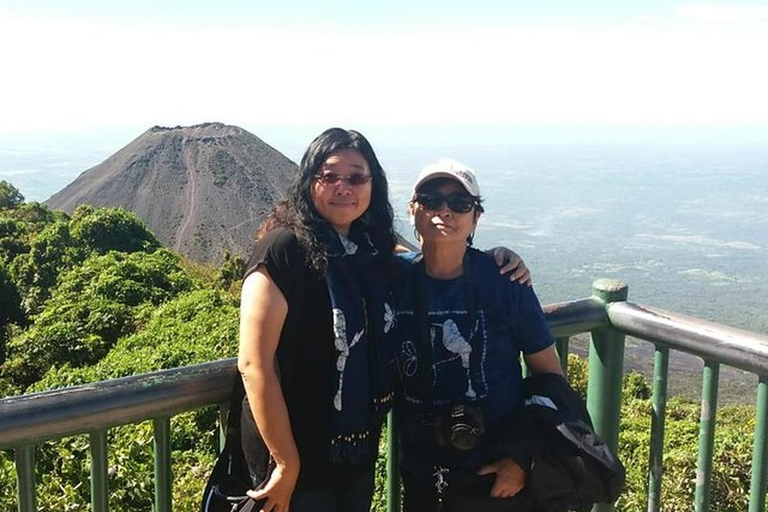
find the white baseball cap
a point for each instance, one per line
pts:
(447, 168)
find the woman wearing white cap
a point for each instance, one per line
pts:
(460, 329)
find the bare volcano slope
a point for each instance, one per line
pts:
(201, 189)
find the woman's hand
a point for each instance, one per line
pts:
(510, 261)
(279, 488)
(510, 477)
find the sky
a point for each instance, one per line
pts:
(412, 72)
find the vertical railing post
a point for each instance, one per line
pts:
(760, 450)
(99, 471)
(562, 351)
(658, 418)
(606, 371)
(25, 477)
(711, 380)
(163, 496)
(393, 465)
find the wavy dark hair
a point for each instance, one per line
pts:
(298, 213)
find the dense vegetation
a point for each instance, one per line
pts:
(93, 297)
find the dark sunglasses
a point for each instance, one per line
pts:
(355, 179)
(458, 202)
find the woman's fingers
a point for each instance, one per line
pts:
(509, 262)
(271, 504)
(505, 258)
(504, 489)
(510, 478)
(277, 492)
(522, 275)
(257, 495)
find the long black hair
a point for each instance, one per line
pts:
(298, 213)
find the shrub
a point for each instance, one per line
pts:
(111, 229)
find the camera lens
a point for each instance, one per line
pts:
(461, 427)
(463, 436)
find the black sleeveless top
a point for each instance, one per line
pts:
(306, 359)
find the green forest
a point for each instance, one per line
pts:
(93, 296)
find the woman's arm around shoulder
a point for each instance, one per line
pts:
(263, 310)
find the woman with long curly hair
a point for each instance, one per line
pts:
(312, 356)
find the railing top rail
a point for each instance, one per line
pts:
(62, 412)
(715, 342)
(575, 316)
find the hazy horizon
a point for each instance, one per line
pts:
(40, 165)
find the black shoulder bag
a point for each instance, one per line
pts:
(230, 479)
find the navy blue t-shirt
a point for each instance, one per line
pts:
(477, 365)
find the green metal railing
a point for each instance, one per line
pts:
(29, 420)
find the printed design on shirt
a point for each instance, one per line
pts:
(389, 318)
(455, 343)
(458, 356)
(409, 360)
(344, 348)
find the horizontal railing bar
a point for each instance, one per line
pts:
(575, 316)
(62, 412)
(734, 347)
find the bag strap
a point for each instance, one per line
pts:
(235, 404)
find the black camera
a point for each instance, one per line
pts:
(461, 426)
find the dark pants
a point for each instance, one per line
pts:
(420, 497)
(356, 497)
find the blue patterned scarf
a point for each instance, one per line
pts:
(362, 317)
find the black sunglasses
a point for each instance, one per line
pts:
(458, 202)
(355, 179)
